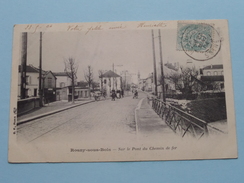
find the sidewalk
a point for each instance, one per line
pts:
(149, 124)
(52, 108)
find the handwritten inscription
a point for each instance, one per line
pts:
(118, 27)
(36, 28)
(92, 28)
(75, 28)
(149, 25)
(33, 28)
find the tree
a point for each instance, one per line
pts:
(71, 68)
(89, 78)
(183, 80)
(82, 84)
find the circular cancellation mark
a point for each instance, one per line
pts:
(200, 42)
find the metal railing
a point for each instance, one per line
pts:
(181, 122)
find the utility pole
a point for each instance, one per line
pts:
(125, 81)
(161, 62)
(114, 70)
(113, 77)
(154, 64)
(40, 73)
(23, 66)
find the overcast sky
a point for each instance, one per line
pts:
(127, 49)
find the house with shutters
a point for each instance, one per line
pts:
(110, 81)
(31, 84)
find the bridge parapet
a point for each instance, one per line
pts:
(180, 121)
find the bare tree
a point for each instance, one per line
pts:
(71, 68)
(183, 80)
(89, 78)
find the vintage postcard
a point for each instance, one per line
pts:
(122, 91)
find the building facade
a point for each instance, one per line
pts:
(48, 84)
(110, 81)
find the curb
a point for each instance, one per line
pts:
(136, 118)
(50, 113)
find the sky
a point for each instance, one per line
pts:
(127, 50)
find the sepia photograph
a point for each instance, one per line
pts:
(121, 91)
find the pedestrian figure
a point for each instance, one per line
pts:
(113, 95)
(95, 96)
(135, 94)
(122, 93)
(118, 94)
(104, 94)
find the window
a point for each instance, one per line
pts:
(28, 80)
(62, 84)
(49, 82)
(215, 73)
(209, 73)
(35, 92)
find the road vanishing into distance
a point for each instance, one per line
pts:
(100, 120)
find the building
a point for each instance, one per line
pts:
(110, 81)
(126, 80)
(213, 70)
(49, 86)
(141, 84)
(170, 71)
(32, 84)
(63, 79)
(149, 84)
(213, 77)
(64, 87)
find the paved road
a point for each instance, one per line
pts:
(100, 120)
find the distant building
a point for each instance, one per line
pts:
(126, 80)
(32, 83)
(64, 87)
(63, 79)
(213, 77)
(213, 70)
(110, 81)
(141, 84)
(170, 69)
(149, 85)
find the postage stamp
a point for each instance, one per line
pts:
(200, 41)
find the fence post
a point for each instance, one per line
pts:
(206, 132)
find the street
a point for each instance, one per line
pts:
(101, 120)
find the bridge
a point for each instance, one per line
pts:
(182, 122)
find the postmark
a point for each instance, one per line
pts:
(200, 41)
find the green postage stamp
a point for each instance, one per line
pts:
(200, 41)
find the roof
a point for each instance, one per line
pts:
(32, 69)
(109, 74)
(29, 69)
(45, 73)
(220, 66)
(60, 74)
(171, 66)
(212, 78)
